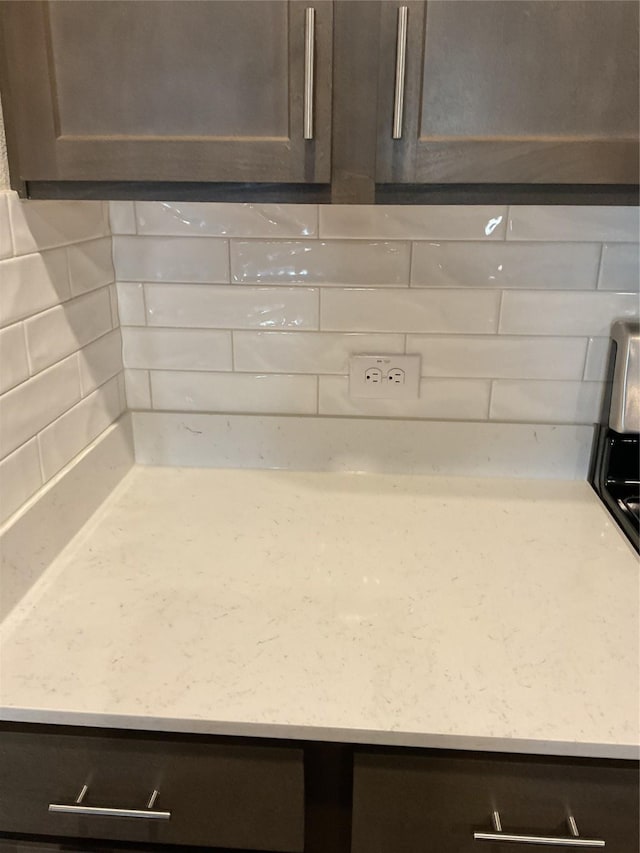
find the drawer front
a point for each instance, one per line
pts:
(218, 795)
(435, 803)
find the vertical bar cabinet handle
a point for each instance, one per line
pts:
(309, 58)
(401, 63)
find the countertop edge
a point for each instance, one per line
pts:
(285, 731)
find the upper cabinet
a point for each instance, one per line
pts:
(509, 92)
(347, 98)
(170, 91)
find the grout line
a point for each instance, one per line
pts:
(229, 275)
(411, 254)
(500, 310)
(318, 235)
(39, 447)
(599, 272)
(491, 383)
(150, 391)
(586, 359)
(506, 226)
(317, 394)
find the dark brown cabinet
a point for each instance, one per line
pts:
(169, 91)
(499, 92)
(322, 100)
(437, 802)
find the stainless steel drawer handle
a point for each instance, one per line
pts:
(149, 813)
(401, 62)
(572, 840)
(309, 60)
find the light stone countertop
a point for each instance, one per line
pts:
(428, 611)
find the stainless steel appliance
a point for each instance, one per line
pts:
(615, 468)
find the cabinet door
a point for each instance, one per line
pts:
(167, 90)
(434, 803)
(506, 92)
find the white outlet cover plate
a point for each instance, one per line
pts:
(365, 381)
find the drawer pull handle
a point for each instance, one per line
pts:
(401, 62)
(309, 60)
(572, 840)
(149, 813)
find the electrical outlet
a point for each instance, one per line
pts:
(384, 377)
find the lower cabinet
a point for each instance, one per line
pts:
(95, 791)
(443, 803)
(209, 794)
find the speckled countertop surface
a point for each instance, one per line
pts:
(479, 614)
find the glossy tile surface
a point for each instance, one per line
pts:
(176, 349)
(310, 628)
(171, 259)
(546, 402)
(620, 268)
(564, 313)
(413, 222)
(563, 266)
(562, 222)
(209, 219)
(320, 262)
(14, 366)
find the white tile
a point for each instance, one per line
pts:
(14, 367)
(76, 429)
(320, 262)
(40, 225)
(231, 307)
(500, 357)
(27, 409)
(363, 444)
(562, 266)
(90, 265)
(234, 392)
(99, 361)
(369, 310)
(561, 222)
(138, 389)
(560, 313)
(131, 308)
(171, 259)
(6, 246)
(441, 399)
(176, 349)
(413, 222)
(597, 359)
(20, 477)
(31, 284)
(546, 402)
(32, 540)
(620, 268)
(210, 219)
(66, 328)
(122, 217)
(306, 352)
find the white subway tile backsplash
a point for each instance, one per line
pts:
(31, 284)
(564, 313)
(597, 359)
(546, 402)
(131, 308)
(99, 361)
(75, 429)
(20, 477)
(39, 225)
(209, 219)
(6, 244)
(320, 262)
(440, 399)
(413, 222)
(620, 269)
(90, 265)
(561, 222)
(176, 349)
(197, 306)
(113, 300)
(171, 259)
(66, 328)
(14, 366)
(444, 310)
(122, 217)
(306, 352)
(234, 392)
(138, 389)
(559, 266)
(500, 357)
(29, 407)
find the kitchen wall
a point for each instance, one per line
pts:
(255, 308)
(60, 349)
